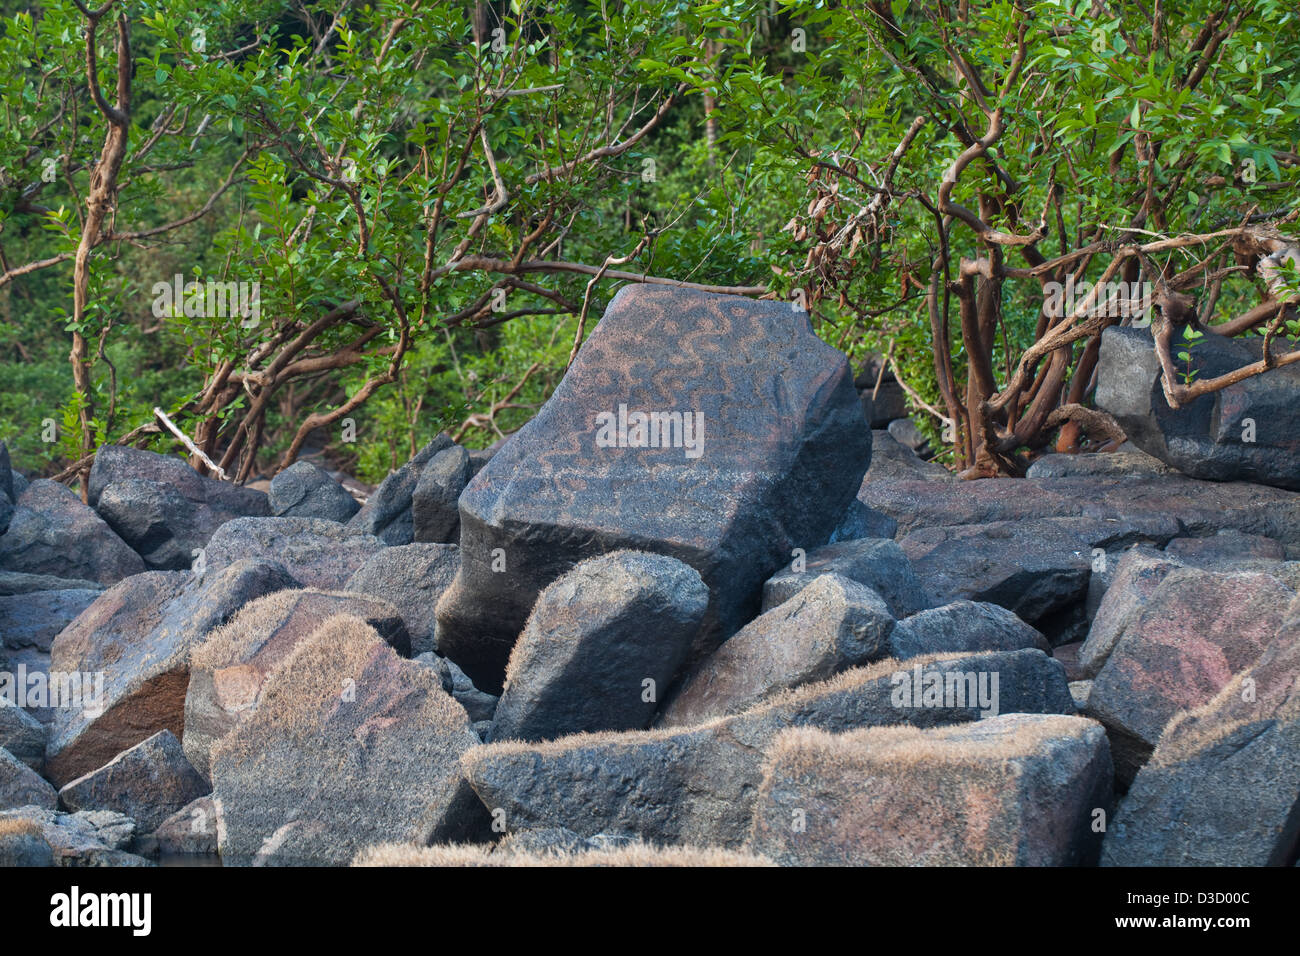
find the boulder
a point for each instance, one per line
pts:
(1126, 462)
(147, 783)
(967, 626)
(6, 476)
(1015, 790)
(21, 786)
(16, 582)
(628, 853)
(1038, 568)
(350, 745)
(697, 784)
(387, 513)
(190, 831)
(88, 838)
(859, 521)
(35, 619)
(1245, 432)
(717, 430)
(229, 670)
(906, 433)
(1137, 574)
(604, 641)
(52, 532)
(133, 646)
(892, 461)
(1223, 786)
(1226, 550)
(1195, 631)
(479, 705)
(434, 509)
(304, 491)
(1161, 508)
(317, 552)
(832, 624)
(412, 577)
(878, 563)
(22, 734)
(162, 507)
(885, 404)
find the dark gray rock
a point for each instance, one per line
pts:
(480, 705)
(774, 463)
(21, 786)
(1013, 790)
(831, 624)
(16, 582)
(304, 491)
(162, 507)
(1225, 549)
(906, 433)
(966, 626)
(147, 783)
(317, 552)
(1038, 568)
(859, 521)
(1245, 432)
(434, 507)
(1223, 786)
(35, 619)
(387, 513)
(350, 746)
(697, 785)
(22, 734)
(1137, 574)
(878, 563)
(135, 644)
(893, 461)
(596, 636)
(885, 404)
(412, 577)
(6, 477)
(1126, 462)
(52, 532)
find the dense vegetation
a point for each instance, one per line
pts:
(433, 202)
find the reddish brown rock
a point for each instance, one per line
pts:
(230, 668)
(1196, 631)
(350, 745)
(134, 642)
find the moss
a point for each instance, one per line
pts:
(638, 854)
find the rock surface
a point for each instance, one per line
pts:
(880, 564)
(52, 532)
(88, 838)
(775, 451)
(317, 552)
(412, 578)
(831, 624)
(350, 745)
(147, 783)
(304, 491)
(1197, 630)
(1014, 790)
(966, 626)
(1223, 786)
(697, 784)
(21, 786)
(135, 642)
(434, 510)
(387, 513)
(596, 636)
(229, 670)
(1246, 431)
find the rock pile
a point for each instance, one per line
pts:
(697, 612)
